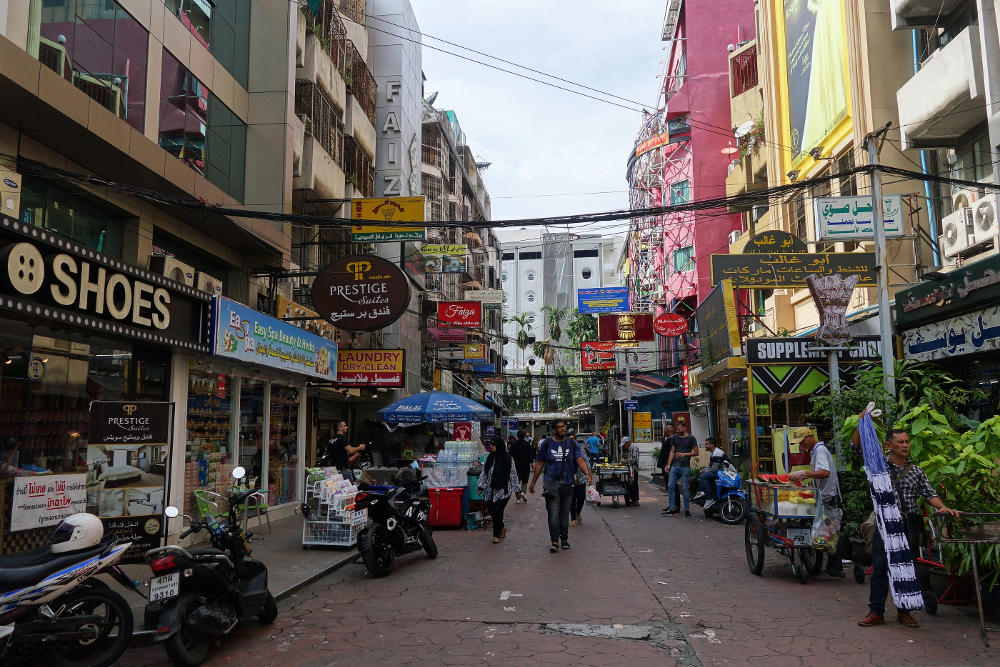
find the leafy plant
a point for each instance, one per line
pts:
(581, 327)
(554, 316)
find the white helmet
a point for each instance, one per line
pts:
(76, 532)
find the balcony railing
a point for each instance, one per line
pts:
(743, 71)
(360, 81)
(322, 119)
(329, 29)
(358, 167)
(352, 9)
(431, 155)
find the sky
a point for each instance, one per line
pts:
(540, 140)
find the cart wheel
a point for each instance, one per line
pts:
(754, 538)
(598, 503)
(806, 558)
(930, 603)
(859, 573)
(817, 563)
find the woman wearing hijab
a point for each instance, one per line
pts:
(630, 457)
(497, 484)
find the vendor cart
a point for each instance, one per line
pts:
(781, 518)
(612, 481)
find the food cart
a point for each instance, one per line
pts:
(612, 481)
(781, 517)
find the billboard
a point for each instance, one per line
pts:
(597, 356)
(394, 209)
(777, 270)
(851, 218)
(444, 264)
(602, 300)
(718, 331)
(625, 329)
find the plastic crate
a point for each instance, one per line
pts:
(473, 520)
(330, 533)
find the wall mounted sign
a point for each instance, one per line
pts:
(630, 404)
(370, 368)
(652, 143)
(245, 334)
(490, 298)
(436, 334)
(670, 324)
(449, 264)
(718, 331)
(474, 352)
(603, 300)
(776, 270)
(396, 209)
(798, 351)
(642, 426)
(293, 311)
(45, 500)
(597, 356)
(832, 295)
(460, 314)
(774, 241)
(625, 329)
(978, 331)
(361, 293)
(685, 387)
(974, 285)
(52, 278)
(444, 249)
(851, 218)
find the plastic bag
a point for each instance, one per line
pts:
(826, 527)
(592, 495)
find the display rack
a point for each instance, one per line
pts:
(328, 511)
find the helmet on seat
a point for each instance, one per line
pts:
(406, 476)
(76, 532)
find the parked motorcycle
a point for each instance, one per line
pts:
(52, 609)
(397, 522)
(200, 593)
(729, 503)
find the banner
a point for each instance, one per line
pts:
(444, 249)
(626, 329)
(852, 218)
(778, 270)
(642, 427)
(718, 331)
(597, 356)
(370, 368)
(490, 298)
(396, 209)
(603, 300)
(449, 264)
(45, 500)
(460, 314)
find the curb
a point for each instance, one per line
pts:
(337, 564)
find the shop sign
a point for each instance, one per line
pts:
(445, 264)
(58, 280)
(36, 368)
(460, 313)
(463, 431)
(626, 329)
(642, 426)
(684, 381)
(444, 249)
(128, 453)
(974, 285)
(484, 367)
(978, 331)
(304, 318)
(361, 293)
(597, 356)
(718, 331)
(388, 210)
(602, 300)
(799, 351)
(652, 143)
(641, 356)
(832, 295)
(805, 379)
(243, 333)
(490, 298)
(631, 404)
(451, 353)
(437, 334)
(221, 386)
(774, 240)
(781, 270)
(852, 218)
(474, 351)
(694, 380)
(10, 193)
(45, 500)
(370, 368)
(670, 324)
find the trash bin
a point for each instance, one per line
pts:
(474, 494)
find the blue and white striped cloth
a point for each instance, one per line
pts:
(906, 591)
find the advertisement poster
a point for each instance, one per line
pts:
(44, 501)
(626, 329)
(602, 300)
(126, 470)
(490, 298)
(245, 334)
(444, 264)
(460, 314)
(718, 331)
(370, 368)
(642, 426)
(444, 249)
(388, 210)
(597, 356)
(463, 431)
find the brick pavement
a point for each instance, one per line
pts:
(600, 603)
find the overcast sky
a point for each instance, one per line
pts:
(541, 140)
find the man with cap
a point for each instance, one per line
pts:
(824, 471)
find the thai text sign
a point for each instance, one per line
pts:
(775, 270)
(642, 426)
(973, 285)
(361, 293)
(978, 331)
(717, 328)
(799, 351)
(625, 329)
(46, 500)
(370, 368)
(851, 218)
(602, 300)
(460, 313)
(597, 356)
(396, 209)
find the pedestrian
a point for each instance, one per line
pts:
(341, 453)
(523, 455)
(630, 456)
(824, 471)
(593, 448)
(706, 479)
(661, 458)
(579, 491)
(497, 483)
(559, 458)
(682, 447)
(910, 483)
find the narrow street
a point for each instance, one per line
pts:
(636, 588)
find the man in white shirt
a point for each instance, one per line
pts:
(824, 471)
(706, 479)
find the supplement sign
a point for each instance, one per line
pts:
(44, 501)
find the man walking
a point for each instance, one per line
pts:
(593, 448)
(522, 454)
(559, 457)
(824, 471)
(683, 446)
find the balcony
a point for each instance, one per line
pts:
(946, 98)
(319, 65)
(920, 13)
(748, 173)
(358, 168)
(360, 81)
(352, 9)
(321, 119)
(432, 155)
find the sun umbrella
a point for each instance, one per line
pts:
(434, 406)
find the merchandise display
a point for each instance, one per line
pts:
(328, 509)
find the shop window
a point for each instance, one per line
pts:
(680, 192)
(222, 27)
(252, 430)
(73, 214)
(684, 259)
(283, 445)
(98, 48)
(209, 459)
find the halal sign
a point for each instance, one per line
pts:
(670, 324)
(361, 293)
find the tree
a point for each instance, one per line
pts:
(554, 315)
(563, 388)
(581, 327)
(524, 326)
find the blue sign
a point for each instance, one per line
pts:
(631, 405)
(484, 367)
(243, 333)
(603, 300)
(509, 422)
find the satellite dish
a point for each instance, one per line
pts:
(743, 129)
(433, 96)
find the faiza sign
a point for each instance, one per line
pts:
(460, 313)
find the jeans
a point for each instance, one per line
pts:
(706, 484)
(496, 508)
(579, 499)
(678, 474)
(558, 510)
(632, 488)
(880, 576)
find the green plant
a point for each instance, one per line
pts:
(554, 316)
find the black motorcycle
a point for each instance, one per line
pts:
(200, 593)
(397, 522)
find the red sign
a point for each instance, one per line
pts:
(460, 313)
(670, 324)
(438, 335)
(684, 381)
(221, 385)
(463, 431)
(596, 356)
(625, 328)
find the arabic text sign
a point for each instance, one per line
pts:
(597, 356)
(851, 218)
(776, 270)
(443, 249)
(370, 368)
(973, 285)
(46, 500)
(490, 298)
(718, 332)
(965, 334)
(474, 351)
(445, 264)
(361, 293)
(395, 209)
(602, 300)
(243, 333)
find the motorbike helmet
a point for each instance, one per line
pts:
(406, 476)
(76, 532)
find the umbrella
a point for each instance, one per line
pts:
(434, 406)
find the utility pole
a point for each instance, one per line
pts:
(882, 266)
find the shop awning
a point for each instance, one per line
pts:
(729, 368)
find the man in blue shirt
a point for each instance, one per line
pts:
(593, 447)
(559, 457)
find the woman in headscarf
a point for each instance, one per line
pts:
(497, 484)
(630, 457)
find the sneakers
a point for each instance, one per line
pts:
(699, 495)
(874, 619)
(710, 503)
(565, 546)
(670, 511)
(554, 547)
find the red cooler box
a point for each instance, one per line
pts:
(446, 507)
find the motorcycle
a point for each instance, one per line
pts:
(200, 593)
(397, 522)
(729, 503)
(52, 609)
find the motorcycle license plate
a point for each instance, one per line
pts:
(798, 535)
(165, 587)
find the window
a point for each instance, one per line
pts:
(798, 211)
(70, 213)
(532, 361)
(503, 276)
(592, 252)
(222, 27)
(847, 184)
(530, 255)
(507, 256)
(530, 296)
(586, 273)
(974, 162)
(684, 259)
(679, 192)
(530, 275)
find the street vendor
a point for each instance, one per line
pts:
(824, 472)
(630, 457)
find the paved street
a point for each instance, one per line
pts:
(636, 588)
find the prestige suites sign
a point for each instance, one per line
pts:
(361, 293)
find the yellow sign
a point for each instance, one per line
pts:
(393, 209)
(475, 351)
(444, 250)
(651, 143)
(642, 426)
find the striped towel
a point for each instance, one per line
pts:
(906, 590)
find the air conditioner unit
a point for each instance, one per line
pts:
(171, 267)
(955, 230)
(963, 199)
(207, 283)
(734, 236)
(984, 219)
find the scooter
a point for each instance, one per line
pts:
(730, 503)
(54, 612)
(200, 593)
(397, 522)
